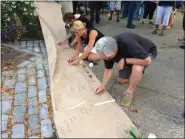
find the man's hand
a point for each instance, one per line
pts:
(121, 64)
(100, 89)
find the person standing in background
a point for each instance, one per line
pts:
(164, 10)
(149, 10)
(126, 7)
(131, 14)
(95, 7)
(183, 25)
(115, 5)
(137, 14)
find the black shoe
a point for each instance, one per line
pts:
(118, 20)
(110, 18)
(182, 46)
(131, 26)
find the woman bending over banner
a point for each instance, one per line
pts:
(86, 37)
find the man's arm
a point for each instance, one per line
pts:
(106, 77)
(134, 61)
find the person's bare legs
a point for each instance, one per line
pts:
(155, 29)
(162, 30)
(135, 78)
(111, 12)
(117, 12)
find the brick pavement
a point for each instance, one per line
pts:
(26, 106)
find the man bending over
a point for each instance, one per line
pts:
(132, 53)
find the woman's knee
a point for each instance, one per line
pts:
(93, 57)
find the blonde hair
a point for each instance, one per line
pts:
(78, 25)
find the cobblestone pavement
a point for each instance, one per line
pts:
(26, 102)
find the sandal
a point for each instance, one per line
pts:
(154, 32)
(161, 34)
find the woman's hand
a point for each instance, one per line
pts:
(75, 62)
(62, 42)
(70, 60)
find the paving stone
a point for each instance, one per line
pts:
(32, 91)
(31, 71)
(9, 83)
(4, 135)
(40, 67)
(42, 83)
(20, 87)
(48, 81)
(24, 63)
(20, 99)
(19, 113)
(18, 131)
(21, 71)
(47, 72)
(42, 96)
(31, 65)
(33, 123)
(32, 102)
(32, 110)
(23, 45)
(4, 122)
(36, 42)
(34, 58)
(30, 44)
(31, 80)
(40, 74)
(6, 96)
(6, 106)
(43, 111)
(46, 128)
(8, 73)
(33, 137)
(40, 61)
(21, 78)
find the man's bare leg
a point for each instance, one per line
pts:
(136, 76)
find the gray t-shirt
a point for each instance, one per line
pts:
(131, 45)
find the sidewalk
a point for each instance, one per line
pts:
(26, 102)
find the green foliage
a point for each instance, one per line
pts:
(24, 10)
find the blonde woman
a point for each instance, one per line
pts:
(86, 37)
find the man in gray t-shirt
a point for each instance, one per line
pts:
(132, 53)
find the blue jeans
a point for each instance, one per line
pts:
(131, 12)
(126, 5)
(136, 12)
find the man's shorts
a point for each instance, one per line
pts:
(127, 70)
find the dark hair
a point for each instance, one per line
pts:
(68, 17)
